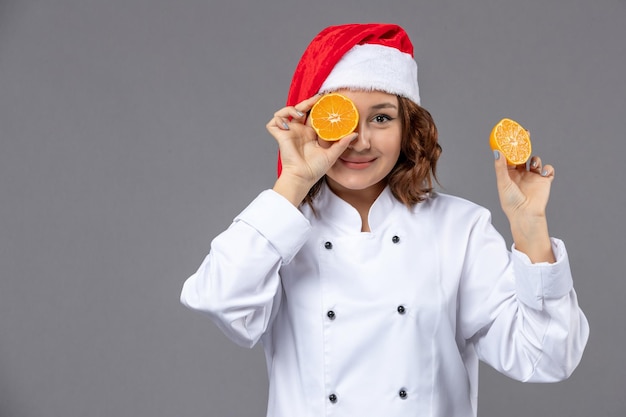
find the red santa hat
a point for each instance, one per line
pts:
(369, 56)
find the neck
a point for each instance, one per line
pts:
(361, 200)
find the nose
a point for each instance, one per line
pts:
(362, 142)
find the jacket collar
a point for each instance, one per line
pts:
(332, 209)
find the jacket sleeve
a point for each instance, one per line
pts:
(523, 319)
(238, 283)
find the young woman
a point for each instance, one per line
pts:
(371, 294)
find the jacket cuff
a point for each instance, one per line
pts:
(279, 221)
(540, 281)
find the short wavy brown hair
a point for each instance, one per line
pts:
(412, 178)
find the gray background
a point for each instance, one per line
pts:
(132, 132)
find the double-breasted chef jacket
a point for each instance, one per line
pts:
(391, 322)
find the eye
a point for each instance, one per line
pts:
(381, 118)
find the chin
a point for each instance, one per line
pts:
(355, 182)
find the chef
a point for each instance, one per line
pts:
(371, 293)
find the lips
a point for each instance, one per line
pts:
(357, 163)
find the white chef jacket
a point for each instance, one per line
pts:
(390, 322)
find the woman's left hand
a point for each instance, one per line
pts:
(524, 195)
(524, 191)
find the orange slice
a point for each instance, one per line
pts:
(334, 116)
(512, 140)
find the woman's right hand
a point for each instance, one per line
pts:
(304, 157)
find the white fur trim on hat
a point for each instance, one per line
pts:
(375, 67)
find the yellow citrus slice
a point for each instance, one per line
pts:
(334, 116)
(512, 140)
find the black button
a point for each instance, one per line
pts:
(331, 314)
(328, 245)
(332, 398)
(395, 239)
(403, 394)
(401, 310)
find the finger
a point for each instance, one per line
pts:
(335, 149)
(290, 113)
(287, 115)
(306, 105)
(547, 171)
(328, 143)
(535, 164)
(277, 122)
(282, 123)
(502, 171)
(324, 143)
(298, 115)
(297, 112)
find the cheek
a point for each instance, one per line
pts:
(392, 146)
(393, 152)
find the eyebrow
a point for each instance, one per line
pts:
(384, 106)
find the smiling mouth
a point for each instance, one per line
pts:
(348, 161)
(358, 164)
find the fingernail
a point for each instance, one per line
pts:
(299, 113)
(544, 173)
(285, 125)
(496, 154)
(534, 164)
